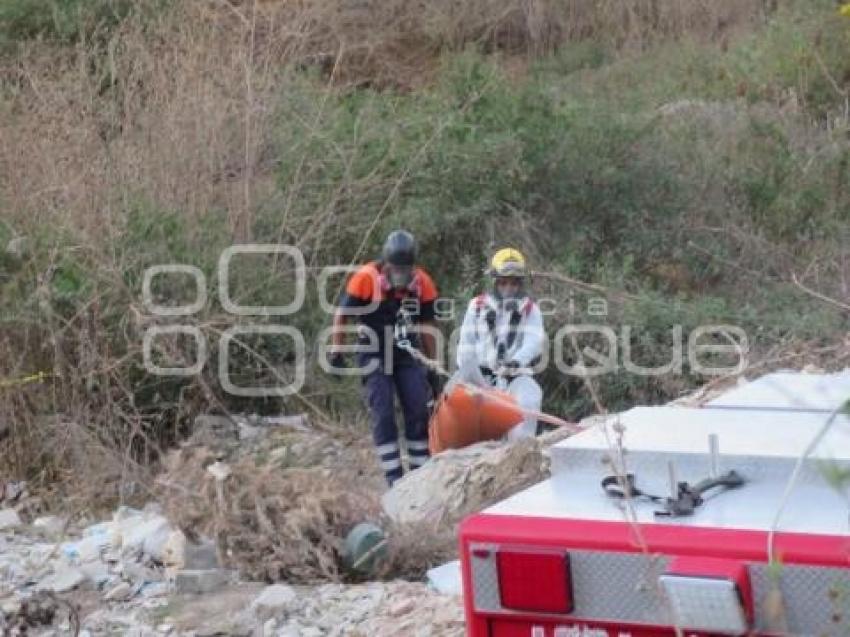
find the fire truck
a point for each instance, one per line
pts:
(731, 518)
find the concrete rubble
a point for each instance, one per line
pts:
(135, 575)
(135, 560)
(374, 609)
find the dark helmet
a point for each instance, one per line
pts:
(400, 248)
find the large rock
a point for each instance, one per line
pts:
(458, 482)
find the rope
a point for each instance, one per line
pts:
(478, 391)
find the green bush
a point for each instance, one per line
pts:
(65, 21)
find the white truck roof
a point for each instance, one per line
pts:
(763, 445)
(788, 391)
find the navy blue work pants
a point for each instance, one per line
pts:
(408, 379)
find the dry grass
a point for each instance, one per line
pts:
(268, 523)
(289, 524)
(180, 124)
(388, 41)
(179, 111)
(411, 551)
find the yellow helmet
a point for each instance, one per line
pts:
(508, 262)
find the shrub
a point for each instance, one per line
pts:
(63, 21)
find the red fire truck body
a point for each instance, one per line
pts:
(566, 559)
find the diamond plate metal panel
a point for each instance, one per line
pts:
(485, 579)
(816, 600)
(618, 586)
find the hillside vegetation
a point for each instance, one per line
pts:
(689, 159)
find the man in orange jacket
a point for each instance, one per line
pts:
(391, 298)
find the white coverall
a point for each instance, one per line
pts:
(494, 333)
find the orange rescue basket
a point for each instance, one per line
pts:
(467, 414)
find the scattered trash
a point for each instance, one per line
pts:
(200, 581)
(294, 517)
(12, 491)
(365, 548)
(446, 578)
(219, 470)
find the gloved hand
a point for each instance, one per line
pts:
(336, 360)
(435, 381)
(510, 368)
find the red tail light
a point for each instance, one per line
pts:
(538, 582)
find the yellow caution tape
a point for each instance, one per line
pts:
(26, 380)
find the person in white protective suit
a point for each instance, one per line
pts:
(502, 338)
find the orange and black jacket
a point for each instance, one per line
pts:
(368, 286)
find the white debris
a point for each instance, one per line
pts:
(219, 470)
(179, 553)
(10, 606)
(97, 573)
(148, 535)
(200, 581)
(119, 593)
(9, 519)
(273, 600)
(88, 549)
(249, 432)
(62, 581)
(12, 491)
(52, 525)
(446, 578)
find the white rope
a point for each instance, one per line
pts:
(795, 475)
(475, 390)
